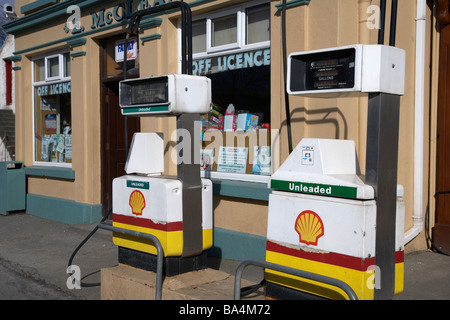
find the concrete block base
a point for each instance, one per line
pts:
(127, 283)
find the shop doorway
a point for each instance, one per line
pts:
(441, 230)
(113, 123)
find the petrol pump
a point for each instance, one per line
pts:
(176, 210)
(324, 216)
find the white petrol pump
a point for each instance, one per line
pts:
(177, 210)
(324, 216)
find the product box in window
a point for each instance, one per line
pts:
(247, 122)
(216, 121)
(230, 119)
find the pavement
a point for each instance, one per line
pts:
(34, 255)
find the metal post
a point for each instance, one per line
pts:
(159, 251)
(188, 172)
(381, 174)
(296, 272)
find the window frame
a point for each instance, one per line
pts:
(61, 78)
(46, 66)
(245, 21)
(209, 30)
(240, 44)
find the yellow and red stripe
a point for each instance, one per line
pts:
(147, 223)
(355, 271)
(170, 234)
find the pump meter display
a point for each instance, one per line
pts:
(169, 94)
(347, 70)
(151, 91)
(324, 70)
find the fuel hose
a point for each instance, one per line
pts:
(82, 244)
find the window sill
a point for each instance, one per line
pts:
(241, 189)
(50, 172)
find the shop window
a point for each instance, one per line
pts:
(232, 48)
(52, 110)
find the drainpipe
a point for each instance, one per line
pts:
(418, 122)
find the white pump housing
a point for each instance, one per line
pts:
(146, 155)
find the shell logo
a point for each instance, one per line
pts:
(137, 202)
(309, 227)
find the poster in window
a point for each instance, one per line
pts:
(261, 160)
(44, 148)
(207, 159)
(52, 148)
(60, 143)
(50, 122)
(232, 160)
(132, 50)
(68, 143)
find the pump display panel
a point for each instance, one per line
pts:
(168, 94)
(344, 71)
(325, 70)
(146, 92)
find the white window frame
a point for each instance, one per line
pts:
(244, 22)
(239, 46)
(209, 30)
(46, 64)
(47, 80)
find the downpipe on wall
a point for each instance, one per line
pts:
(418, 122)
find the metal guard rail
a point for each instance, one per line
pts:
(300, 273)
(159, 250)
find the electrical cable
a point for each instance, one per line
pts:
(382, 21)
(250, 289)
(82, 244)
(393, 30)
(286, 96)
(125, 61)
